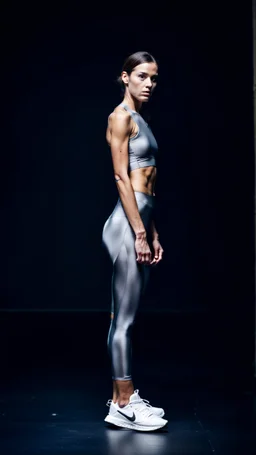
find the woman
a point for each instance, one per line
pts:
(125, 235)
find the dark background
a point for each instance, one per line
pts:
(59, 66)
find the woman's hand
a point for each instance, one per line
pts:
(157, 252)
(144, 255)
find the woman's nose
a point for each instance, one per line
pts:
(149, 82)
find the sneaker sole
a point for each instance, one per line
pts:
(131, 425)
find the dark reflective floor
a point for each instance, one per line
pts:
(55, 382)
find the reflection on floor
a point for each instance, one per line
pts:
(56, 380)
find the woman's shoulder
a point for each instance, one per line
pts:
(119, 115)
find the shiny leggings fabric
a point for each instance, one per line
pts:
(129, 280)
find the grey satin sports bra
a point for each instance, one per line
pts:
(142, 147)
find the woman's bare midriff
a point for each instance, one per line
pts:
(143, 179)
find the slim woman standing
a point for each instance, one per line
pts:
(126, 234)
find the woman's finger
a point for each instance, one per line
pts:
(139, 257)
(160, 257)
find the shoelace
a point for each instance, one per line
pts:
(145, 410)
(143, 400)
(147, 403)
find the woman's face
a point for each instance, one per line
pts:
(142, 81)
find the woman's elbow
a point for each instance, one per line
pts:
(121, 176)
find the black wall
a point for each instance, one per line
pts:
(59, 70)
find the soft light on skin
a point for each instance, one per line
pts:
(142, 80)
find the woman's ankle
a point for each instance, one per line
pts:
(124, 390)
(122, 403)
(124, 398)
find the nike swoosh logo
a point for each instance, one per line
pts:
(132, 418)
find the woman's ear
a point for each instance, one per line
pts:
(125, 77)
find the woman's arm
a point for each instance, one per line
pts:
(153, 231)
(120, 132)
(156, 245)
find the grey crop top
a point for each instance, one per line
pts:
(142, 147)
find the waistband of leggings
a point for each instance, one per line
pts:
(142, 198)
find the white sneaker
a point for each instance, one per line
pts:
(135, 396)
(156, 411)
(134, 416)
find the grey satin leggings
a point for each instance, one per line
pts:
(129, 280)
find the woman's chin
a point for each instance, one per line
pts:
(144, 99)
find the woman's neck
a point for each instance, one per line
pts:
(133, 104)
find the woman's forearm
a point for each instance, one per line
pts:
(153, 230)
(130, 206)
